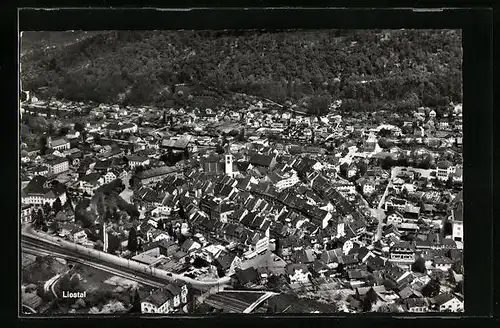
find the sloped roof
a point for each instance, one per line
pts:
(59, 142)
(261, 160)
(180, 143)
(444, 164)
(159, 297)
(136, 158)
(443, 298)
(91, 177)
(56, 160)
(157, 171)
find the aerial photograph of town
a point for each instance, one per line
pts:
(170, 173)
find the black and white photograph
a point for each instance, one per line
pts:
(193, 172)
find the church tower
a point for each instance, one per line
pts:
(228, 160)
(49, 142)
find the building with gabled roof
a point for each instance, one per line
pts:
(165, 300)
(37, 192)
(260, 160)
(448, 302)
(57, 165)
(91, 182)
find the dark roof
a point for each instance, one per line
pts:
(159, 297)
(374, 262)
(136, 158)
(248, 275)
(59, 142)
(349, 259)
(443, 298)
(180, 143)
(415, 302)
(119, 127)
(261, 160)
(458, 213)
(103, 165)
(318, 266)
(356, 274)
(225, 260)
(402, 244)
(92, 177)
(36, 186)
(362, 252)
(158, 171)
(444, 164)
(173, 289)
(56, 160)
(162, 243)
(305, 256)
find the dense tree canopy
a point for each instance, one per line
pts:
(418, 265)
(369, 70)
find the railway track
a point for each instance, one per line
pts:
(36, 249)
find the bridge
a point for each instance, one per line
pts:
(258, 302)
(239, 301)
(24, 306)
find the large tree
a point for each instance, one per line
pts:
(132, 240)
(182, 213)
(431, 289)
(79, 126)
(54, 226)
(57, 205)
(241, 135)
(136, 302)
(418, 265)
(39, 218)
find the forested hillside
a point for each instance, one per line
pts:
(39, 40)
(367, 69)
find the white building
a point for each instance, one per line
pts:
(26, 213)
(444, 170)
(134, 161)
(298, 273)
(89, 183)
(122, 128)
(58, 144)
(457, 221)
(368, 188)
(79, 236)
(345, 188)
(443, 263)
(228, 164)
(348, 245)
(42, 198)
(58, 165)
(262, 244)
(448, 303)
(162, 210)
(109, 177)
(394, 219)
(166, 299)
(287, 181)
